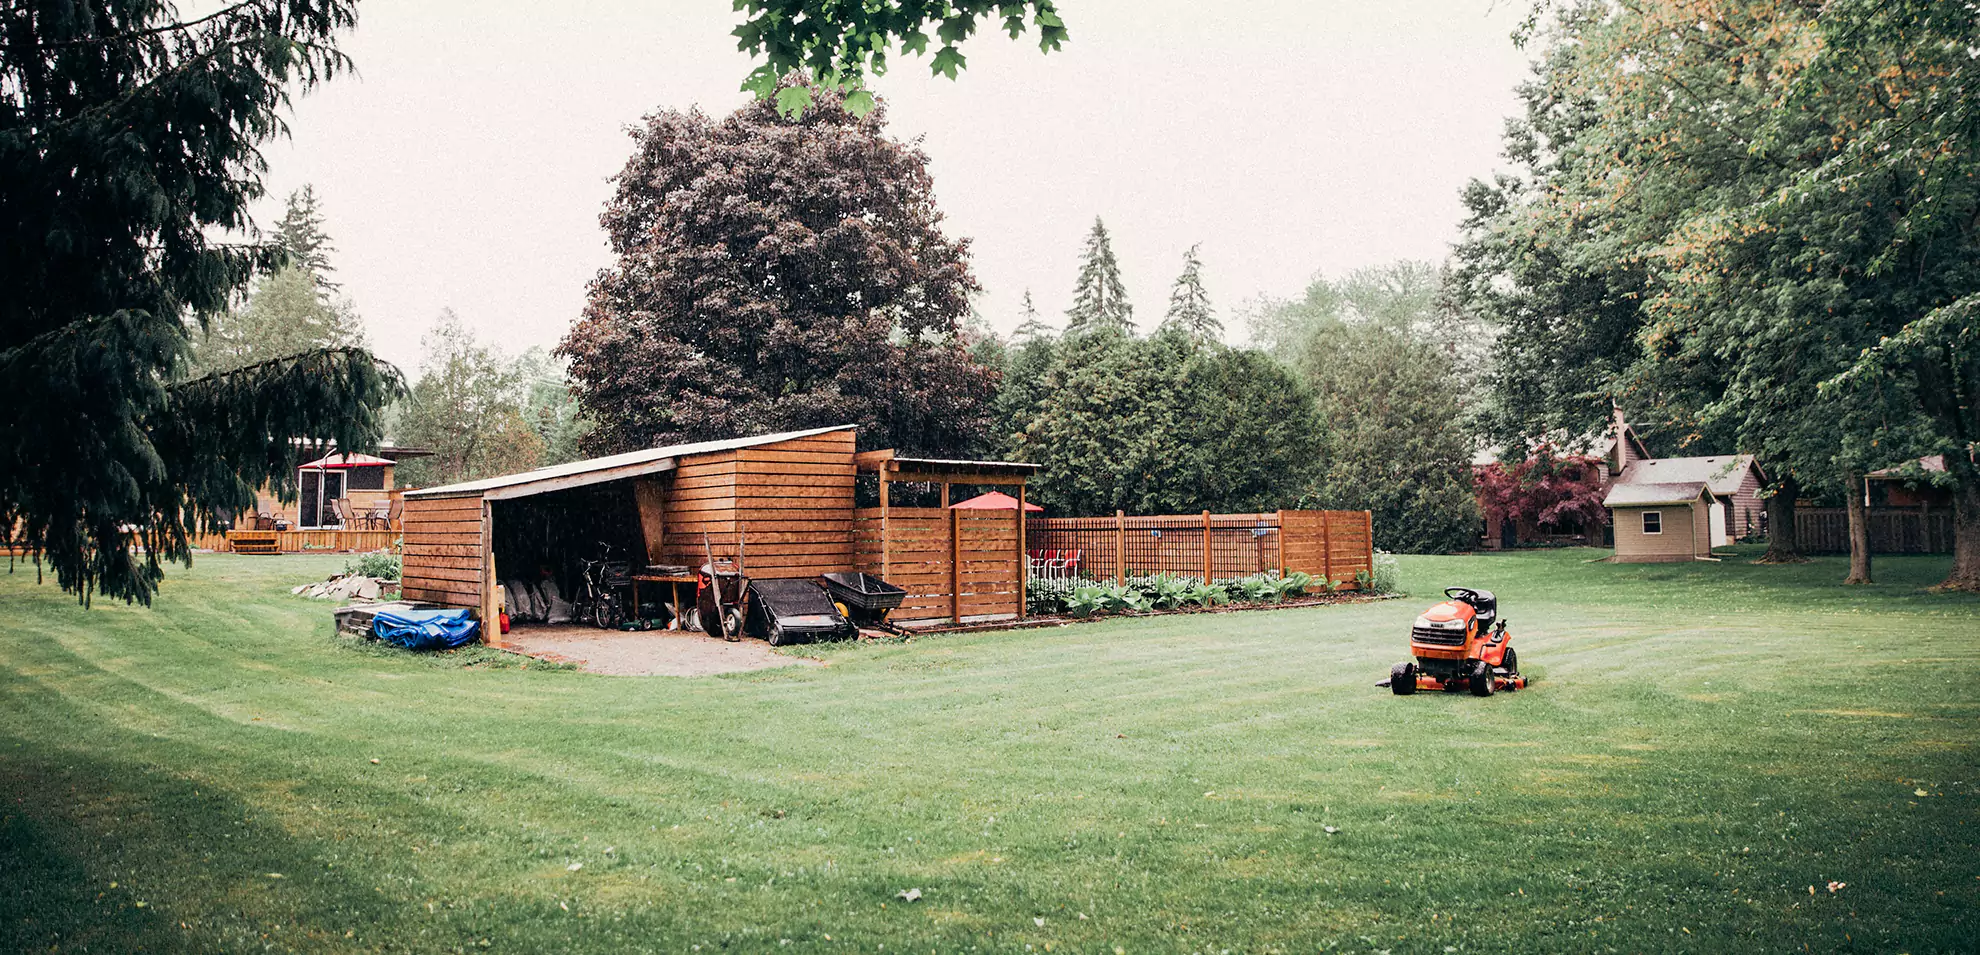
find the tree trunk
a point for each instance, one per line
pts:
(1966, 527)
(1859, 530)
(1782, 545)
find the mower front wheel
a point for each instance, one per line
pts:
(1402, 679)
(1481, 679)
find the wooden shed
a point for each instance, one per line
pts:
(1663, 522)
(790, 495)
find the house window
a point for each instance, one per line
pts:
(368, 478)
(1653, 522)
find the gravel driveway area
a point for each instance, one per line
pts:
(647, 653)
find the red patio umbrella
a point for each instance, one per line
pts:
(994, 501)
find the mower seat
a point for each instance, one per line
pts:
(1487, 606)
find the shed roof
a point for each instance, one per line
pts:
(1644, 495)
(614, 467)
(887, 461)
(1720, 472)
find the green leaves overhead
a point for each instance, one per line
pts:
(840, 43)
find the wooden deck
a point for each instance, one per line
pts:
(314, 540)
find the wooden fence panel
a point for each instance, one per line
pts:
(1327, 544)
(954, 564)
(1825, 530)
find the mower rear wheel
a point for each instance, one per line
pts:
(1402, 679)
(1481, 679)
(774, 633)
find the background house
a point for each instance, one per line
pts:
(1733, 480)
(1663, 522)
(366, 481)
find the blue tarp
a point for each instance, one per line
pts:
(425, 629)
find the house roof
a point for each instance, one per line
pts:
(1935, 462)
(346, 461)
(610, 468)
(1643, 495)
(1721, 472)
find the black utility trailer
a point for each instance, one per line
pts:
(795, 611)
(867, 598)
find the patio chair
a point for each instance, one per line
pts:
(262, 522)
(342, 508)
(392, 512)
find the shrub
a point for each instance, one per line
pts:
(1387, 578)
(381, 564)
(1204, 595)
(1086, 601)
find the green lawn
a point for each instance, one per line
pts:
(1704, 743)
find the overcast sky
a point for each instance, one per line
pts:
(465, 164)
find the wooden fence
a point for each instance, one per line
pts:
(1330, 545)
(328, 540)
(955, 564)
(1825, 530)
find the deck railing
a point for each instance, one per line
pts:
(316, 540)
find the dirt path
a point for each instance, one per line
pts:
(649, 653)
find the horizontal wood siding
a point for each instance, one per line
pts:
(913, 548)
(792, 501)
(442, 559)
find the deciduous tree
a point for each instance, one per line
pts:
(840, 43)
(776, 274)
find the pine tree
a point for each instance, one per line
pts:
(1030, 325)
(1099, 299)
(1189, 303)
(301, 235)
(285, 314)
(130, 139)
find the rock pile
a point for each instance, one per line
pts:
(346, 587)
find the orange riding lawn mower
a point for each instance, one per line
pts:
(1459, 644)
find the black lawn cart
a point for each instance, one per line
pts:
(865, 598)
(795, 611)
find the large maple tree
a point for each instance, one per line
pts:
(776, 273)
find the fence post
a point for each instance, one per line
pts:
(1368, 540)
(1282, 543)
(1326, 549)
(1207, 567)
(1120, 547)
(1023, 558)
(955, 566)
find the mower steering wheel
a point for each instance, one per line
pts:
(1465, 594)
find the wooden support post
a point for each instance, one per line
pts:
(1207, 566)
(1368, 540)
(1024, 559)
(1282, 543)
(955, 566)
(945, 494)
(1120, 547)
(1326, 550)
(491, 614)
(886, 568)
